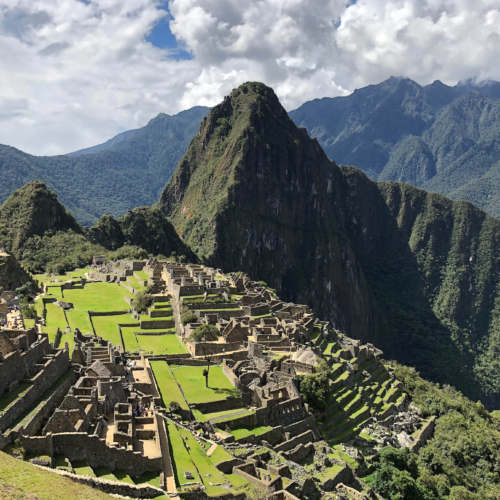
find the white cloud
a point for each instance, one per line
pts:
(74, 73)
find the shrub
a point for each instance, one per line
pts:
(141, 302)
(28, 310)
(188, 316)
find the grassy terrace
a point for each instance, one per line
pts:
(25, 417)
(192, 381)
(55, 319)
(161, 344)
(142, 274)
(107, 326)
(134, 283)
(7, 398)
(167, 385)
(196, 461)
(23, 481)
(256, 430)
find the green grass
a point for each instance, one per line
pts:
(129, 338)
(315, 333)
(220, 455)
(22, 481)
(142, 274)
(203, 464)
(152, 478)
(121, 475)
(134, 283)
(256, 430)
(181, 460)
(192, 381)
(107, 327)
(7, 398)
(236, 481)
(223, 413)
(161, 344)
(167, 385)
(103, 472)
(82, 468)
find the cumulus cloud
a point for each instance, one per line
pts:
(76, 72)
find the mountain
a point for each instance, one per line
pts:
(441, 138)
(413, 272)
(126, 172)
(144, 227)
(45, 237)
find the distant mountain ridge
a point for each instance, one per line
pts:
(441, 138)
(125, 172)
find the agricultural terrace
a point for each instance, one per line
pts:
(106, 297)
(192, 382)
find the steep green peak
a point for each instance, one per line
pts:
(32, 210)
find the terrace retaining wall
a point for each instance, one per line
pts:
(230, 403)
(52, 371)
(110, 487)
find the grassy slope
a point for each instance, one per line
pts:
(192, 381)
(23, 481)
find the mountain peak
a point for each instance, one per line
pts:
(245, 147)
(32, 210)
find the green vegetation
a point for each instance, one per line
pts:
(84, 180)
(459, 463)
(161, 344)
(190, 378)
(142, 301)
(167, 385)
(255, 430)
(21, 480)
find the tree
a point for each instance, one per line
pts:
(202, 334)
(141, 302)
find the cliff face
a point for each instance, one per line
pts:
(415, 273)
(255, 193)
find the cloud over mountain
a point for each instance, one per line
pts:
(76, 72)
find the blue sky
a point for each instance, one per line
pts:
(162, 37)
(74, 73)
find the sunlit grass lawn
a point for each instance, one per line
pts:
(21, 480)
(102, 297)
(107, 327)
(129, 338)
(192, 381)
(248, 431)
(167, 384)
(161, 344)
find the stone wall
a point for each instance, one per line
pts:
(109, 313)
(226, 466)
(110, 487)
(228, 372)
(52, 402)
(299, 452)
(53, 369)
(305, 438)
(230, 403)
(81, 446)
(157, 323)
(424, 435)
(248, 472)
(344, 475)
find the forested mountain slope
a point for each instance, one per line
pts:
(44, 236)
(126, 172)
(441, 138)
(413, 272)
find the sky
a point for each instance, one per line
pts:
(74, 73)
